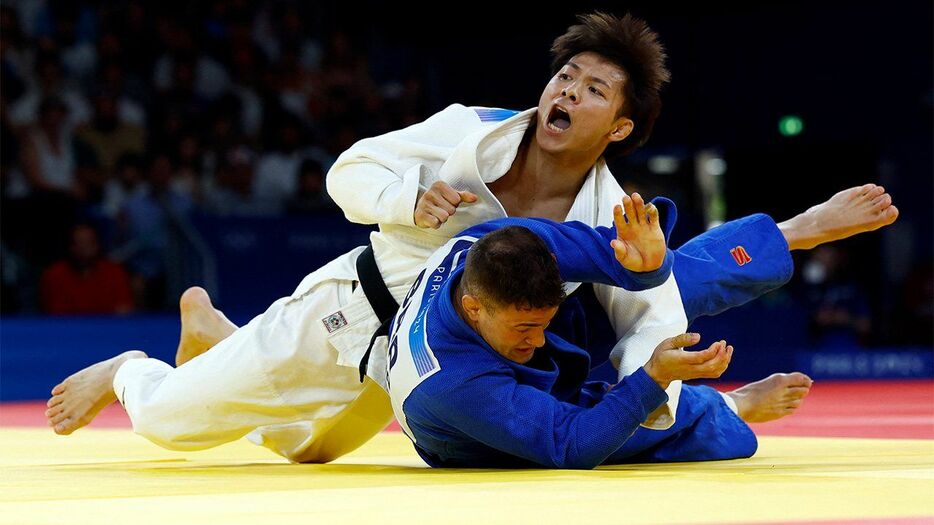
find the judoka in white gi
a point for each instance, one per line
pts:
(289, 378)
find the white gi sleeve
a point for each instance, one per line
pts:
(641, 321)
(377, 180)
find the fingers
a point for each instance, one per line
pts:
(620, 250)
(703, 356)
(424, 219)
(630, 209)
(618, 219)
(718, 357)
(651, 213)
(680, 341)
(438, 203)
(467, 196)
(638, 205)
(637, 211)
(450, 196)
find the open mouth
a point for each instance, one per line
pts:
(558, 120)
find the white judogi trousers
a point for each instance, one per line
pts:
(276, 379)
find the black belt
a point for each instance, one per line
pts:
(377, 294)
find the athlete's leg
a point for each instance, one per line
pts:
(849, 212)
(77, 400)
(279, 369)
(203, 326)
(774, 397)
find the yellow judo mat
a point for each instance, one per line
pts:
(115, 477)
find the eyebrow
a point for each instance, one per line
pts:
(529, 324)
(597, 80)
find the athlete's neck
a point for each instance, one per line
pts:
(547, 174)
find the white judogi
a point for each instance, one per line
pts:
(293, 369)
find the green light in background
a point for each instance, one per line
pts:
(790, 125)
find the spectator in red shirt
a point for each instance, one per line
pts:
(85, 282)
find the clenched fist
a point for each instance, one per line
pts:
(438, 203)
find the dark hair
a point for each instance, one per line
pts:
(513, 266)
(629, 43)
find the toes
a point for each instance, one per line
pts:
(875, 191)
(882, 201)
(55, 400)
(799, 390)
(59, 389)
(53, 411)
(798, 379)
(58, 418)
(866, 188)
(889, 215)
(63, 428)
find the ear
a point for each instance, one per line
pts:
(471, 306)
(622, 128)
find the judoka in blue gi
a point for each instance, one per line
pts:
(288, 380)
(477, 379)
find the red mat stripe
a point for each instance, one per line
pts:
(867, 409)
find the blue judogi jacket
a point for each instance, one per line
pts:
(464, 405)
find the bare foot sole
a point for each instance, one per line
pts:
(203, 326)
(77, 400)
(856, 210)
(771, 398)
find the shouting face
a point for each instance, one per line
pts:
(578, 111)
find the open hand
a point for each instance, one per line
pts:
(438, 203)
(671, 362)
(640, 243)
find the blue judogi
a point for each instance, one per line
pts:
(464, 405)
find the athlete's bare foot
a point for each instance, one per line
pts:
(856, 210)
(203, 326)
(771, 398)
(77, 400)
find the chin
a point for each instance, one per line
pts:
(549, 143)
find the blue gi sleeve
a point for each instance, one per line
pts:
(591, 393)
(584, 254)
(731, 265)
(529, 423)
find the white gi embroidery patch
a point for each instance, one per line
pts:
(334, 322)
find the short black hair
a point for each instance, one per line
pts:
(629, 43)
(513, 266)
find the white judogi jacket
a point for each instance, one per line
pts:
(377, 181)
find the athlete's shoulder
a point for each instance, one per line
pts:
(493, 114)
(463, 372)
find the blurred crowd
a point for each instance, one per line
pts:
(125, 120)
(122, 119)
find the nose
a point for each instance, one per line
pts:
(536, 339)
(570, 92)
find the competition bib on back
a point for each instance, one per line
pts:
(411, 359)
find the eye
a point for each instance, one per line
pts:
(596, 91)
(564, 76)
